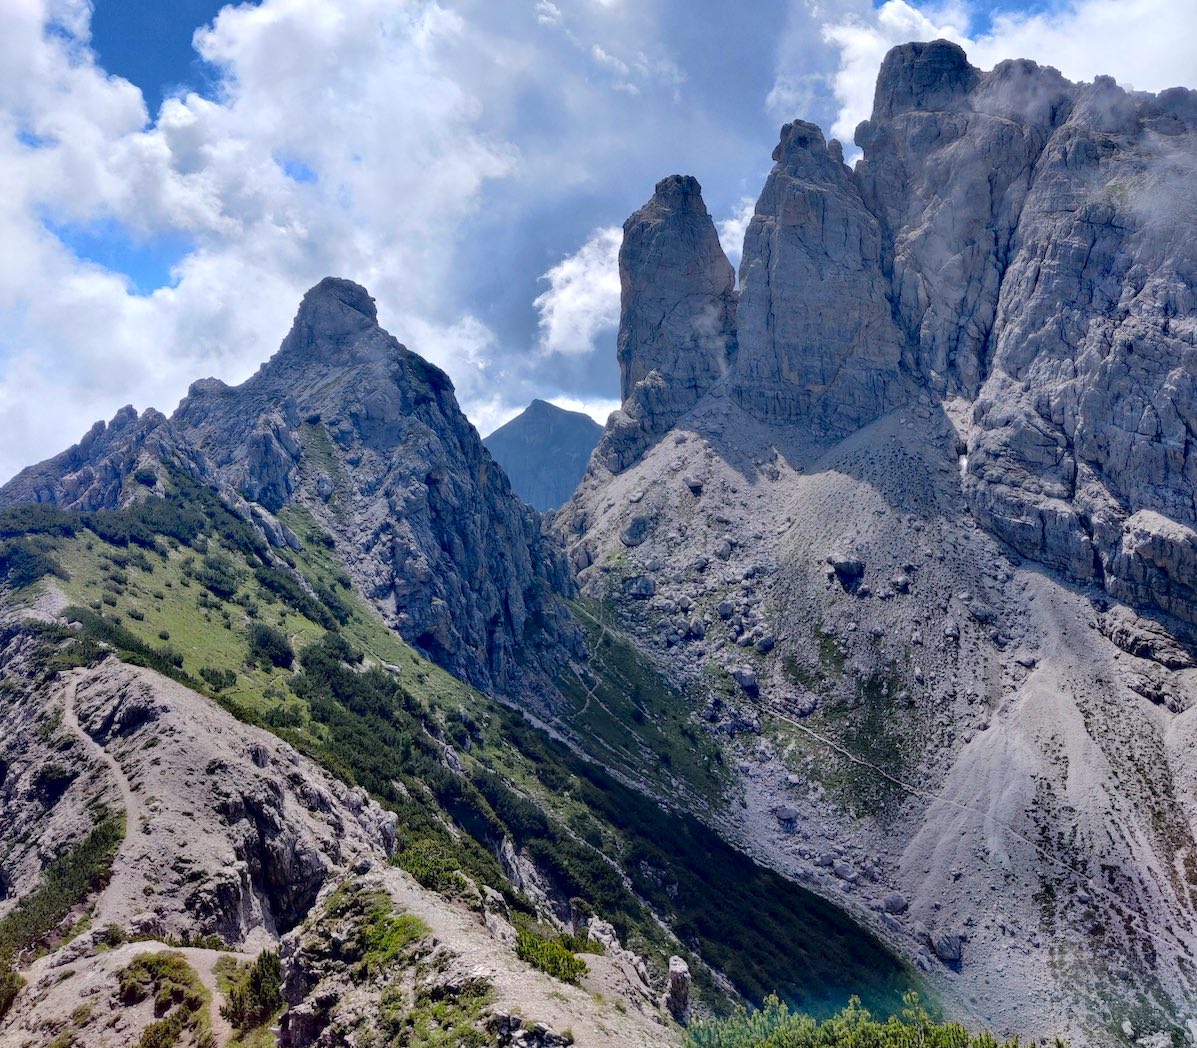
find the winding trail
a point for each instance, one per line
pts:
(204, 964)
(107, 906)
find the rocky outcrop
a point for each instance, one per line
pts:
(677, 294)
(677, 995)
(1086, 421)
(677, 317)
(817, 340)
(369, 437)
(229, 831)
(544, 451)
(113, 464)
(1010, 240)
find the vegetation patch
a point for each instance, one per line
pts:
(551, 956)
(433, 1017)
(252, 990)
(624, 713)
(776, 1026)
(180, 1000)
(270, 647)
(66, 882)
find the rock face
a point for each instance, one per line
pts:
(368, 436)
(110, 466)
(544, 451)
(230, 832)
(683, 326)
(677, 996)
(1010, 239)
(818, 341)
(677, 316)
(936, 526)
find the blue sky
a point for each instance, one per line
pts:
(177, 174)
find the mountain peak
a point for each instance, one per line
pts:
(331, 318)
(544, 451)
(333, 290)
(681, 192)
(931, 77)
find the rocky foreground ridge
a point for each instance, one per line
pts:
(368, 437)
(912, 512)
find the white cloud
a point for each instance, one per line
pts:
(355, 92)
(862, 44)
(1146, 44)
(548, 13)
(598, 409)
(582, 300)
(732, 229)
(616, 65)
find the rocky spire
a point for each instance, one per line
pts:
(818, 345)
(677, 324)
(929, 77)
(678, 298)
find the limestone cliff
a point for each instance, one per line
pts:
(924, 556)
(1009, 239)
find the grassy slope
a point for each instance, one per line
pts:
(628, 857)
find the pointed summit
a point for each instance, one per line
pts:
(544, 451)
(678, 303)
(332, 321)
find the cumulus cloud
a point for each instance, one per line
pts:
(548, 13)
(312, 158)
(598, 409)
(732, 230)
(582, 299)
(1145, 44)
(862, 43)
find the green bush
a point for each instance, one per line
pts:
(776, 1026)
(255, 992)
(10, 986)
(219, 575)
(23, 561)
(328, 609)
(219, 679)
(179, 998)
(146, 477)
(66, 882)
(431, 863)
(550, 956)
(269, 646)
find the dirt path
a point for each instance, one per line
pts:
(107, 906)
(204, 963)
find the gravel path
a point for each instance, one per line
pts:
(119, 886)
